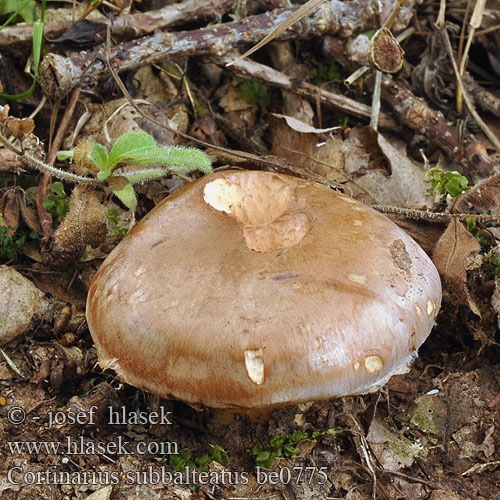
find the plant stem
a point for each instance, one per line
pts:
(44, 167)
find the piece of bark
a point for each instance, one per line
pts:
(59, 75)
(484, 98)
(129, 25)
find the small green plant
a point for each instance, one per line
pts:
(495, 261)
(136, 149)
(113, 215)
(12, 245)
(27, 10)
(255, 93)
(325, 73)
(446, 183)
(286, 446)
(474, 230)
(57, 204)
(185, 459)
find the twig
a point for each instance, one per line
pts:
(416, 114)
(270, 76)
(59, 75)
(491, 136)
(130, 25)
(44, 217)
(411, 213)
(376, 100)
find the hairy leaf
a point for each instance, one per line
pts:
(129, 146)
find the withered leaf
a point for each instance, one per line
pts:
(457, 252)
(485, 195)
(117, 182)
(19, 127)
(12, 204)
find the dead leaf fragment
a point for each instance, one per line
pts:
(12, 205)
(101, 494)
(457, 252)
(485, 195)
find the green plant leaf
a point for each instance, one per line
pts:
(58, 189)
(99, 156)
(25, 9)
(129, 146)
(219, 455)
(127, 196)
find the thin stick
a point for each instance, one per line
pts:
(411, 213)
(491, 136)
(270, 76)
(376, 100)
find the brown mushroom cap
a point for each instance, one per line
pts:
(250, 289)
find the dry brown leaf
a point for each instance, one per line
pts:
(457, 252)
(306, 147)
(19, 127)
(485, 195)
(381, 168)
(13, 203)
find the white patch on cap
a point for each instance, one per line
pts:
(431, 307)
(357, 222)
(373, 364)
(419, 310)
(357, 278)
(357, 365)
(139, 271)
(255, 365)
(222, 195)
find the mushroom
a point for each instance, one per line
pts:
(249, 289)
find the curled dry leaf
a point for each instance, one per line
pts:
(456, 253)
(12, 205)
(19, 127)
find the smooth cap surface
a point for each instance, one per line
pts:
(251, 289)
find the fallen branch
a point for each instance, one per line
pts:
(59, 75)
(270, 76)
(129, 25)
(417, 115)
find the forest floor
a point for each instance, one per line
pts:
(430, 164)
